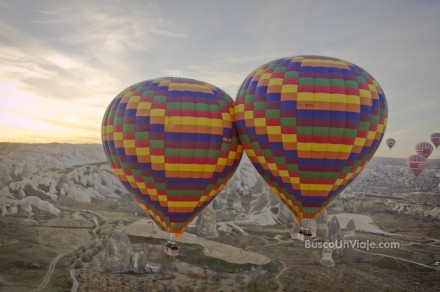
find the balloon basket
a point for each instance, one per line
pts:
(170, 248)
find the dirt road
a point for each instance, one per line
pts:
(49, 272)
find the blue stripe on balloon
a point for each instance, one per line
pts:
(156, 127)
(320, 161)
(172, 136)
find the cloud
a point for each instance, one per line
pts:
(66, 62)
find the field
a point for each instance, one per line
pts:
(264, 258)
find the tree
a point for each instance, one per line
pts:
(256, 278)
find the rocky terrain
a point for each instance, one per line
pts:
(62, 202)
(43, 176)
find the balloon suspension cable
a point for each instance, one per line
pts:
(172, 236)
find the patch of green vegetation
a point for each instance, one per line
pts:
(25, 277)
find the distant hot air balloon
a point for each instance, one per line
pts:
(173, 144)
(416, 163)
(310, 124)
(424, 148)
(390, 142)
(435, 139)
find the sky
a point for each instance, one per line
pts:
(62, 62)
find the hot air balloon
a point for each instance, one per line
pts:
(310, 124)
(435, 139)
(416, 163)
(173, 145)
(424, 148)
(390, 142)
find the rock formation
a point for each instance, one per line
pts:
(349, 232)
(118, 252)
(326, 259)
(207, 223)
(138, 261)
(335, 235)
(322, 225)
(120, 257)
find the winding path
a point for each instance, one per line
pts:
(277, 277)
(49, 272)
(75, 285)
(93, 217)
(397, 258)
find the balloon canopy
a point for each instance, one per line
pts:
(435, 139)
(390, 142)
(424, 148)
(173, 144)
(416, 163)
(310, 124)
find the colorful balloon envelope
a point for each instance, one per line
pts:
(435, 139)
(416, 163)
(172, 142)
(424, 148)
(390, 142)
(310, 124)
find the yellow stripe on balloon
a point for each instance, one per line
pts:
(364, 93)
(287, 88)
(144, 105)
(158, 112)
(143, 151)
(157, 158)
(184, 204)
(324, 147)
(316, 187)
(226, 116)
(359, 141)
(189, 167)
(276, 81)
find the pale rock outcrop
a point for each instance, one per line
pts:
(322, 222)
(27, 204)
(349, 232)
(335, 235)
(118, 252)
(21, 194)
(326, 259)
(138, 261)
(52, 187)
(207, 223)
(120, 258)
(13, 210)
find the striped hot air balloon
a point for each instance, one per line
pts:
(416, 163)
(310, 124)
(173, 144)
(424, 148)
(435, 139)
(390, 142)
